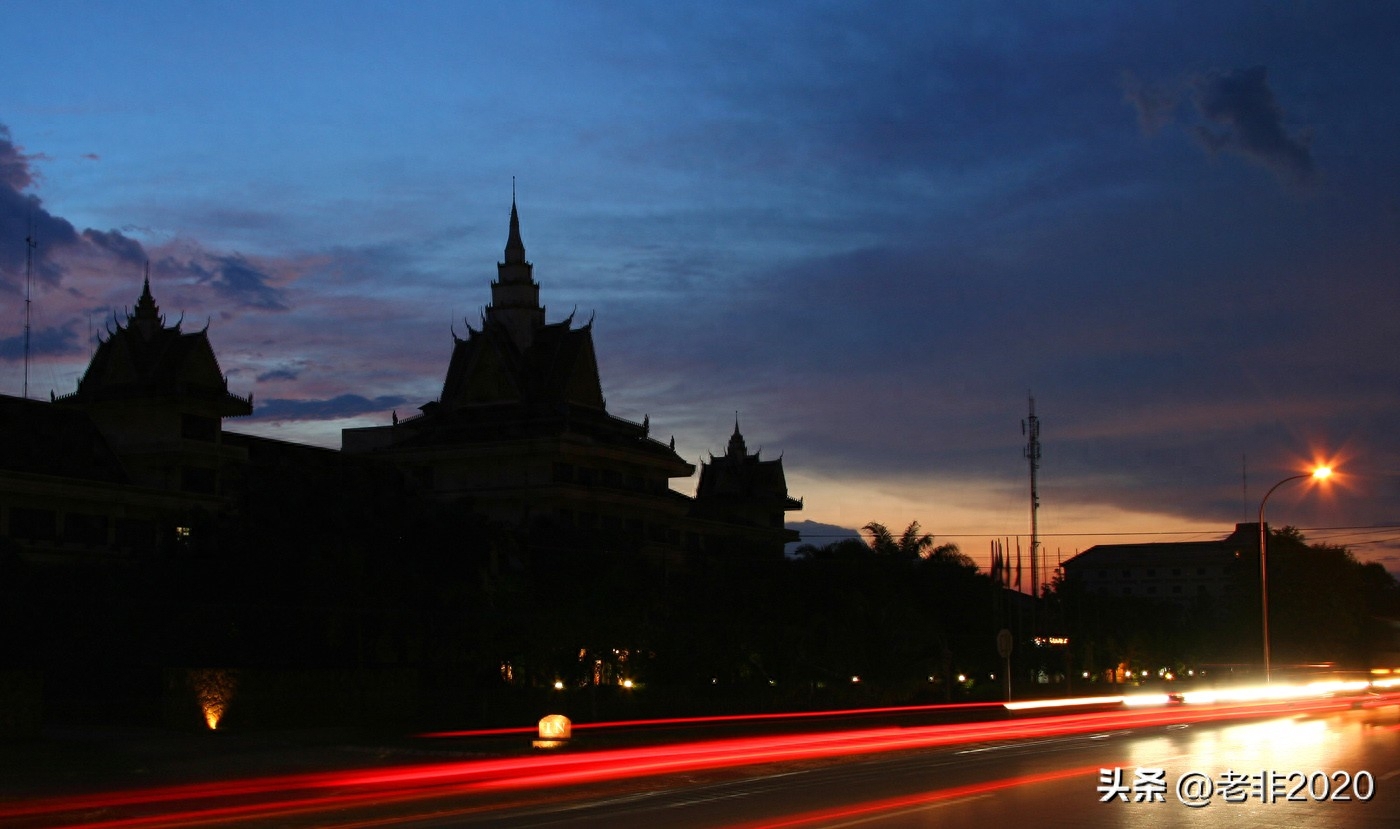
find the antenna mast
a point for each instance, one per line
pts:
(1031, 428)
(28, 293)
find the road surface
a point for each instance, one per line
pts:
(1323, 763)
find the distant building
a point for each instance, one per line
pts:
(1176, 571)
(65, 494)
(745, 493)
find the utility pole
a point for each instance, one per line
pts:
(29, 244)
(1031, 428)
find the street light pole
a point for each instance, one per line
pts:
(1317, 474)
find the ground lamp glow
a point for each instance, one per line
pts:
(213, 688)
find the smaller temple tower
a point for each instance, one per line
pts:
(740, 489)
(515, 295)
(158, 397)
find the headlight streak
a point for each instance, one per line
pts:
(1212, 696)
(279, 796)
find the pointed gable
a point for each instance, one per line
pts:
(146, 359)
(559, 367)
(563, 367)
(740, 486)
(480, 372)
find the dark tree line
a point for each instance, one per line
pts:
(492, 626)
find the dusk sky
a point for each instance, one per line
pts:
(870, 229)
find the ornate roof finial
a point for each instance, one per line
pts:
(147, 315)
(515, 248)
(736, 441)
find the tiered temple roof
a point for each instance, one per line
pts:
(146, 359)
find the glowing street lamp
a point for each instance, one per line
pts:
(1319, 474)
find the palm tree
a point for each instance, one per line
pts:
(913, 544)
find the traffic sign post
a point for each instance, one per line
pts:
(1004, 651)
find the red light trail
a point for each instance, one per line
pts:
(274, 797)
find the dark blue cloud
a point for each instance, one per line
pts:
(345, 405)
(60, 340)
(14, 165)
(1245, 118)
(24, 217)
(1156, 105)
(234, 278)
(123, 248)
(53, 237)
(277, 374)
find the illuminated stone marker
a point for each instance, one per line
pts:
(555, 731)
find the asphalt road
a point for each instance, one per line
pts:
(1261, 774)
(1323, 764)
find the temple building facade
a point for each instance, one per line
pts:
(519, 441)
(132, 459)
(521, 436)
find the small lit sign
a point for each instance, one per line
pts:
(556, 727)
(555, 731)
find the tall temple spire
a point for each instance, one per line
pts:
(737, 447)
(515, 296)
(147, 316)
(515, 248)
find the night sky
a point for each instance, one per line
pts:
(873, 230)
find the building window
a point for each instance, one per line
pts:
(198, 479)
(81, 528)
(194, 427)
(33, 524)
(135, 534)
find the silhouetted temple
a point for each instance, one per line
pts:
(738, 486)
(521, 435)
(519, 442)
(126, 460)
(156, 393)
